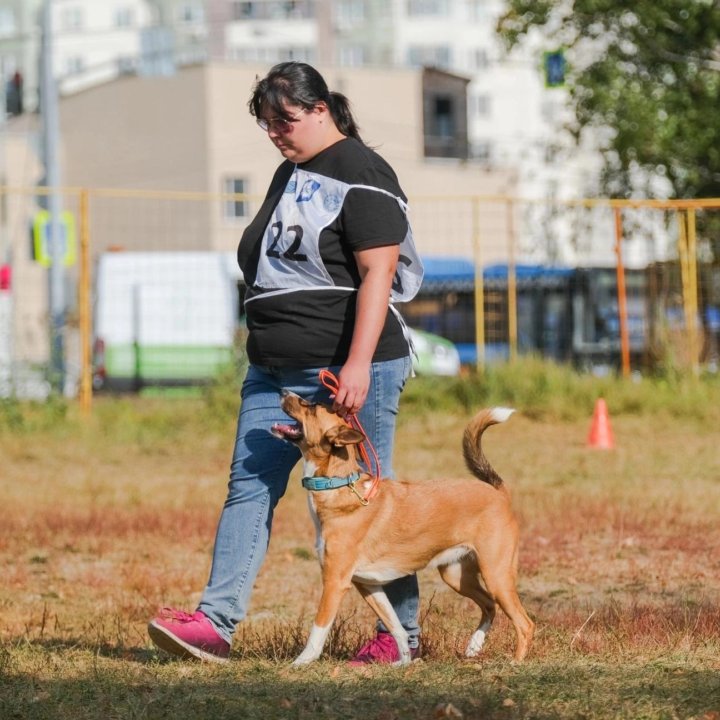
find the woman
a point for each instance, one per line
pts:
(321, 261)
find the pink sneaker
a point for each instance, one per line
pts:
(382, 650)
(188, 636)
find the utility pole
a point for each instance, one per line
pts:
(50, 133)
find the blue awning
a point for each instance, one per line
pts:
(452, 274)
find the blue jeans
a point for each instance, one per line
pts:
(259, 475)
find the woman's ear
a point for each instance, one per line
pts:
(320, 108)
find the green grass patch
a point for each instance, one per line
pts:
(539, 389)
(545, 390)
(75, 684)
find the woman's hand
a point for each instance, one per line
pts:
(377, 269)
(353, 386)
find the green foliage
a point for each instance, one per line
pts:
(546, 390)
(18, 417)
(537, 388)
(650, 72)
(11, 415)
(221, 396)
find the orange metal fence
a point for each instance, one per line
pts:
(660, 263)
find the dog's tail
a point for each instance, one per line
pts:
(476, 462)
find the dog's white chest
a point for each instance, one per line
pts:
(319, 542)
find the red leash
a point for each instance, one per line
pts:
(329, 380)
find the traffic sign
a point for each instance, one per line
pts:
(555, 66)
(42, 238)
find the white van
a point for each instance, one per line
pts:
(171, 318)
(164, 318)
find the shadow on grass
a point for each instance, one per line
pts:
(64, 680)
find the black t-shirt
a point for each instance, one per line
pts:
(314, 327)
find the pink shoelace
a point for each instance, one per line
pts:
(168, 613)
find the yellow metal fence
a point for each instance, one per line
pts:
(522, 280)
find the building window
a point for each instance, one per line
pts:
(481, 105)
(233, 207)
(271, 55)
(190, 13)
(272, 10)
(74, 65)
(443, 117)
(352, 56)
(480, 59)
(72, 18)
(125, 64)
(243, 10)
(299, 53)
(478, 10)
(417, 8)
(482, 150)
(8, 25)
(124, 17)
(438, 56)
(350, 13)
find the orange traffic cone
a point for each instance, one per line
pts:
(600, 435)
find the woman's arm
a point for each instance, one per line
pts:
(377, 268)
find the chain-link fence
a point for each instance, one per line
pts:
(151, 293)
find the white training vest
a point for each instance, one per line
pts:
(290, 251)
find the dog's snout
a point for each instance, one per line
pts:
(289, 394)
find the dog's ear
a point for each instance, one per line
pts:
(343, 435)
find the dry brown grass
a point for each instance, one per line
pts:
(620, 559)
(106, 535)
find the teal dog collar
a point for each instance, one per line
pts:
(329, 483)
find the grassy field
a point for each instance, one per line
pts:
(104, 521)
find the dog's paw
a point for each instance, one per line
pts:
(302, 660)
(476, 644)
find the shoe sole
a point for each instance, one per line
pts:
(168, 642)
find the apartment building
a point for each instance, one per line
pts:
(97, 40)
(512, 122)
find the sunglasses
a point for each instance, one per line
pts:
(278, 124)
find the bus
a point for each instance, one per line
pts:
(564, 314)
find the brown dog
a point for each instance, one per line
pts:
(463, 527)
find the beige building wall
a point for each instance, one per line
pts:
(29, 338)
(138, 132)
(141, 134)
(236, 145)
(192, 131)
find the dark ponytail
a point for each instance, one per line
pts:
(300, 84)
(340, 110)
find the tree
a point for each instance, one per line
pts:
(646, 77)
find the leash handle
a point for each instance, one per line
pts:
(328, 379)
